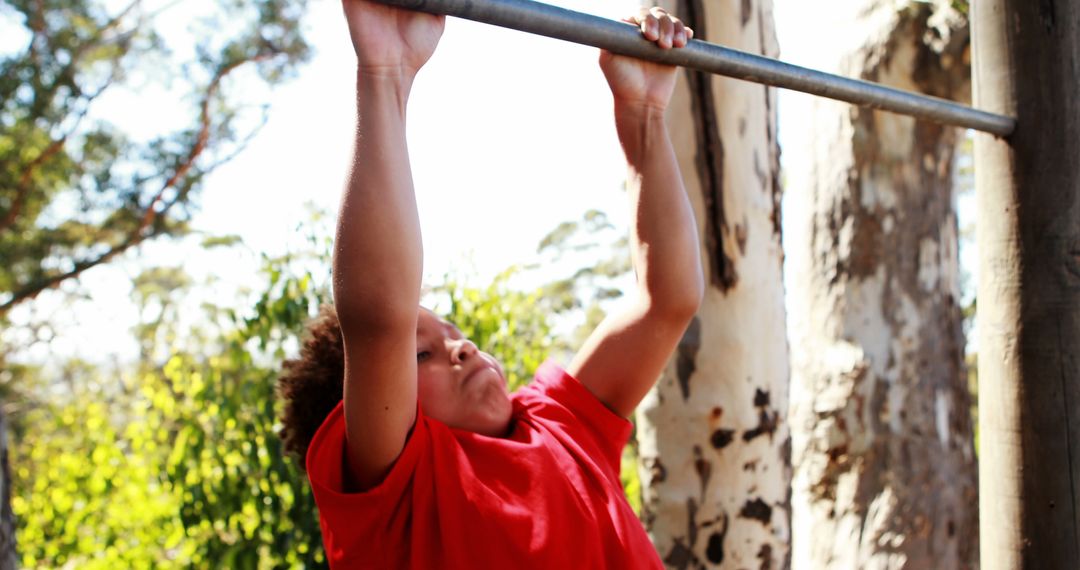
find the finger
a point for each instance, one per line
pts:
(689, 33)
(650, 26)
(680, 38)
(666, 27)
(667, 31)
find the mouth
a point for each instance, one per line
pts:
(473, 374)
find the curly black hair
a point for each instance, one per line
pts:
(312, 384)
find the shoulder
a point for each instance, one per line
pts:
(562, 402)
(326, 466)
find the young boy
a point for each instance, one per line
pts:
(421, 458)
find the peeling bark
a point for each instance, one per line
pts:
(885, 473)
(712, 438)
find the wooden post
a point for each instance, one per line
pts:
(1026, 62)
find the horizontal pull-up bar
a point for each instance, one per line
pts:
(617, 37)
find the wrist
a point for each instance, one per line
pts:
(639, 109)
(395, 76)
(639, 126)
(384, 84)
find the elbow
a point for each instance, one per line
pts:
(689, 292)
(679, 302)
(697, 296)
(670, 279)
(691, 298)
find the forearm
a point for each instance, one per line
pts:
(378, 256)
(664, 240)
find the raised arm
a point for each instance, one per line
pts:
(625, 355)
(378, 256)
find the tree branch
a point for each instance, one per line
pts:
(151, 213)
(200, 141)
(23, 188)
(34, 289)
(45, 93)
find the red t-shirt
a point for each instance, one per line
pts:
(548, 496)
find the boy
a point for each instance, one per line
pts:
(427, 461)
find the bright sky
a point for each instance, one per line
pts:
(509, 135)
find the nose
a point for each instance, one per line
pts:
(462, 350)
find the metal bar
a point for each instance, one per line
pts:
(617, 37)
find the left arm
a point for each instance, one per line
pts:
(624, 356)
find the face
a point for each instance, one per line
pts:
(458, 384)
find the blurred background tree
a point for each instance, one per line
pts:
(75, 191)
(174, 461)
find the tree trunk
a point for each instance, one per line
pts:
(714, 446)
(1027, 64)
(883, 452)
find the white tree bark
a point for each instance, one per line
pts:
(713, 442)
(885, 473)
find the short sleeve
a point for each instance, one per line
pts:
(609, 431)
(326, 464)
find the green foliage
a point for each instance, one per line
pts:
(177, 463)
(628, 474)
(597, 257)
(244, 503)
(75, 191)
(87, 492)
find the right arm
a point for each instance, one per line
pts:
(378, 257)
